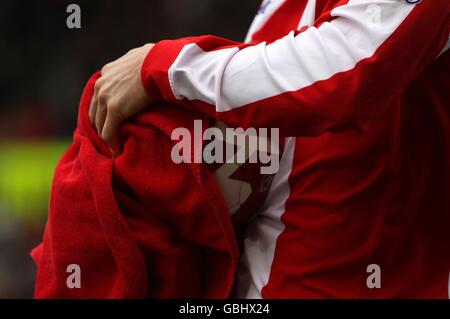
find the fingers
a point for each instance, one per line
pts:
(97, 109)
(106, 122)
(110, 131)
(118, 95)
(93, 106)
(100, 116)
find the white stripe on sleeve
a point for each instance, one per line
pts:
(230, 79)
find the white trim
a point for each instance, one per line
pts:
(449, 284)
(447, 46)
(194, 73)
(261, 238)
(309, 15)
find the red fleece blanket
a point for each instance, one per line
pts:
(137, 226)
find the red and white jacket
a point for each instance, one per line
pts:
(363, 88)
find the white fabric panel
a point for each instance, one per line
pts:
(261, 238)
(447, 46)
(449, 285)
(309, 15)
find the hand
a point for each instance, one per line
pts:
(119, 95)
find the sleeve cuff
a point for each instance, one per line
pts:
(155, 69)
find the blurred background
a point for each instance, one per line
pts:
(43, 69)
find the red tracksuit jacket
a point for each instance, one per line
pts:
(363, 88)
(140, 225)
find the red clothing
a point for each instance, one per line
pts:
(138, 226)
(381, 197)
(365, 178)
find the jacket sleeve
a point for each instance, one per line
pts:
(333, 76)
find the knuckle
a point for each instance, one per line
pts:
(98, 86)
(106, 67)
(103, 95)
(112, 107)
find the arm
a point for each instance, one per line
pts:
(333, 76)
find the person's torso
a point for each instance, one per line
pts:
(342, 202)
